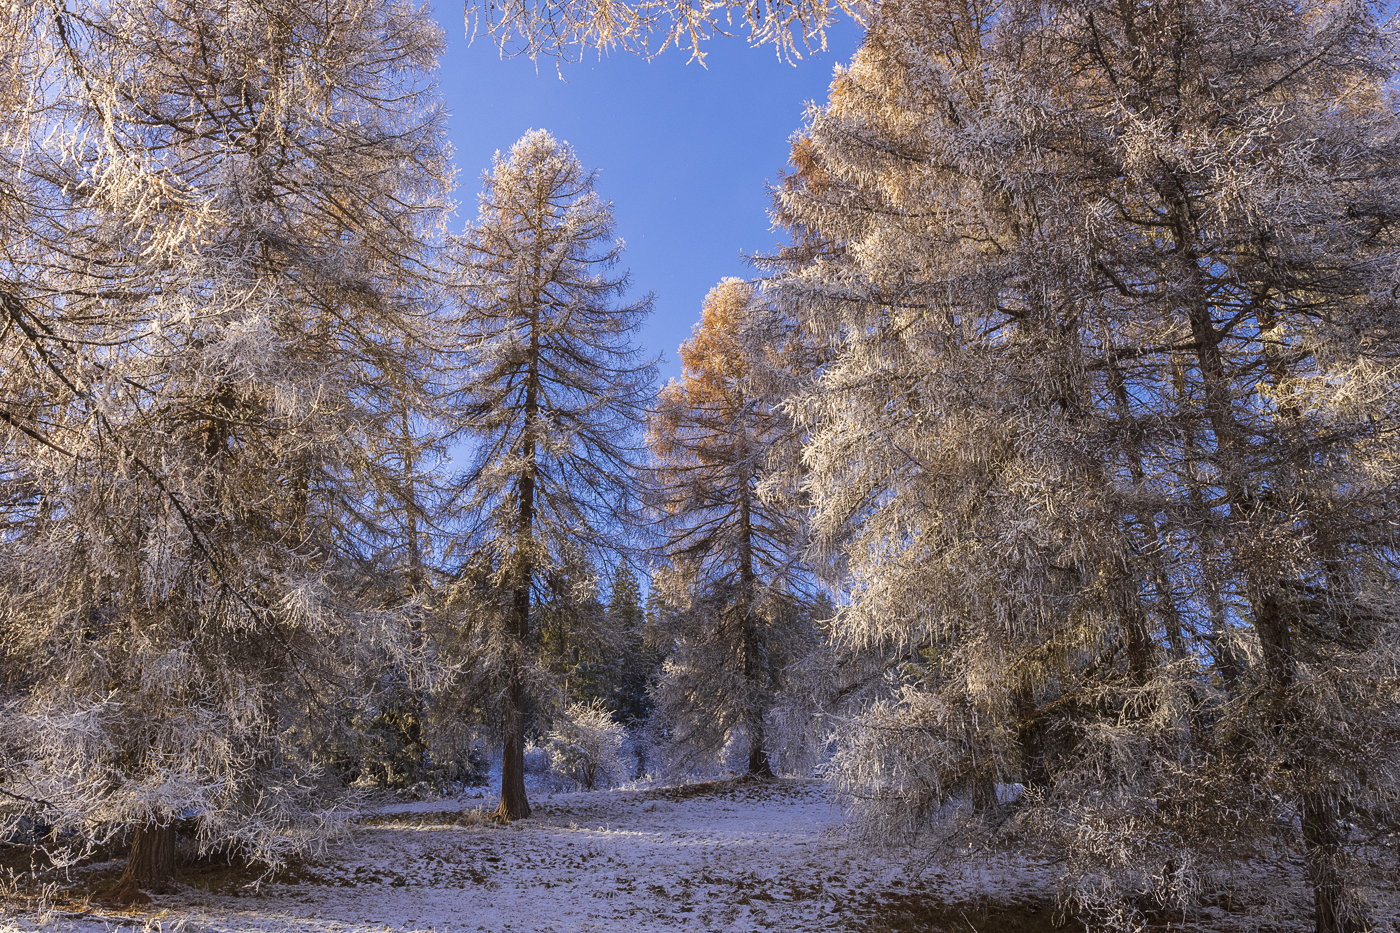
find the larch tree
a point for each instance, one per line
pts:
(552, 393)
(1104, 450)
(732, 573)
(648, 27)
(209, 327)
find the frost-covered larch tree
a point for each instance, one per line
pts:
(563, 27)
(207, 330)
(732, 574)
(551, 397)
(1105, 445)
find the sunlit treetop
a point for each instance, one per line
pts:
(714, 353)
(703, 414)
(564, 28)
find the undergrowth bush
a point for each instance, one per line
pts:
(586, 747)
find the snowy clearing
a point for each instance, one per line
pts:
(723, 856)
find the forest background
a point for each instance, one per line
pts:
(1039, 489)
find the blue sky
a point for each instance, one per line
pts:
(684, 153)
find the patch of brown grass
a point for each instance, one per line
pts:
(473, 816)
(922, 913)
(729, 789)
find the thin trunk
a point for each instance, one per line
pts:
(1035, 775)
(1227, 660)
(411, 505)
(413, 725)
(641, 750)
(984, 771)
(755, 670)
(150, 867)
(1276, 645)
(1142, 652)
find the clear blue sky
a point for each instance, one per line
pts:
(685, 153)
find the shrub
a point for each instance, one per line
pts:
(537, 760)
(586, 747)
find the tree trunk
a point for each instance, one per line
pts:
(756, 681)
(758, 755)
(641, 750)
(150, 867)
(759, 765)
(1035, 775)
(514, 804)
(1335, 909)
(1335, 906)
(984, 792)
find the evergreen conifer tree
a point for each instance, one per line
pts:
(637, 661)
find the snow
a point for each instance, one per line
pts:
(728, 856)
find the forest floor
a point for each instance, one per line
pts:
(728, 857)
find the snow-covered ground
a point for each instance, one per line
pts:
(728, 857)
(731, 857)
